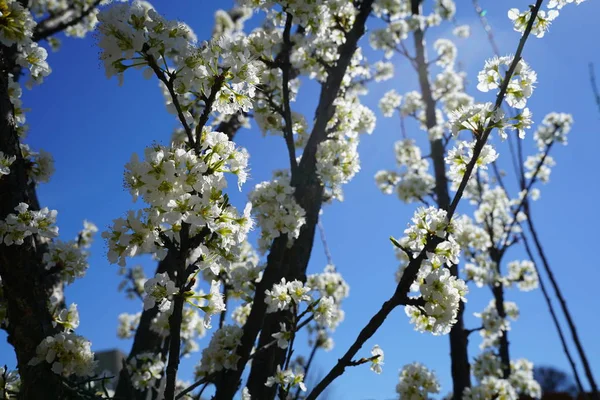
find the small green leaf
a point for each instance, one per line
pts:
(395, 242)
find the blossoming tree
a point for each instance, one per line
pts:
(209, 280)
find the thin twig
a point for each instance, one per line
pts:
(524, 195)
(553, 314)
(594, 86)
(169, 85)
(324, 241)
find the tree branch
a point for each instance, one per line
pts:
(58, 22)
(287, 112)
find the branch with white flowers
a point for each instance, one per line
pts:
(411, 270)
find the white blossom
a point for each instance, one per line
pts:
(377, 359)
(5, 163)
(159, 291)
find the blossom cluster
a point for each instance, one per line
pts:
(40, 165)
(413, 182)
(487, 368)
(390, 102)
(520, 86)
(68, 318)
(182, 187)
(128, 324)
(417, 382)
(221, 351)
(543, 18)
(442, 294)
(67, 353)
(242, 274)
(5, 163)
(290, 295)
(159, 291)
(554, 128)
(137, 36)
(17, 28)
(276, 211)
(491, 388)
(68, 258)
(462, 155)
(337, 156)
(493, 324)
(496, 213)
(440, 291)
(83, 11)
(145, 369)
(337, 163)
(329, 283)
(16, 227)
(523, 274)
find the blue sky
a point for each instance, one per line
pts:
(92, 126)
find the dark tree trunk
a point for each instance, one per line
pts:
(145, 340)
(26, 284)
